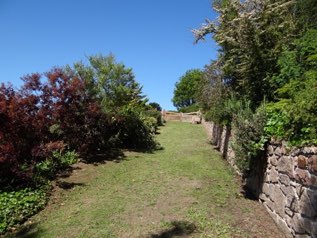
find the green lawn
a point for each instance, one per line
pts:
(184, 190)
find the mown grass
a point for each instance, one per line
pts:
(184, 189)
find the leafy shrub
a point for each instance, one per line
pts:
(214, 95)
(191, 108)
(293, 116)
(17, 206)
(150, 123)
(155, 114)
(40, 113)
(137, 132)
(80, 120)
(249, 138)
(118, 94)
(156, 106)
(57, 161)
(276, 121)
(20, 131)
(66, 159)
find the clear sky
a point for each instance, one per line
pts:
(152, 37)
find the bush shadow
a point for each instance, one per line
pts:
(147, 150)
(68, 185)
(113, 154)
(27, 230)
(179, 228)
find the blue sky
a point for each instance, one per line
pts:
(152, 37)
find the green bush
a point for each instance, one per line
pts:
(191, 108)
(155, 114)
(136, 132)
(65, 159)
(17, 206)
(249, 138)
(293, 116)
(150, 123)
(59, 160)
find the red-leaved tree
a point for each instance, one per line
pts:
(45, 115)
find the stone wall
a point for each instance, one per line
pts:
(289, 190)
(193, 117)
(171, 116)
(220, 137)
(284, 181)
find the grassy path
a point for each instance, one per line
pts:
(185, 190)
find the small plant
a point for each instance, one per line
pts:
(58, 161)
(66, 159)
(17, 206)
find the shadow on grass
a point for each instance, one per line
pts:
(66, 172)
(26, 230)
(146, 150)
(179, 228)
(114, 154)
(66, 185)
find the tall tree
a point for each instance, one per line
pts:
(213, 93)
(112, 83)
(186, 89)
(267, 52)
(120, 95)
(251, 35)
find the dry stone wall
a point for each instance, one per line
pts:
(193, 117)
(289, 191)
(285, 181)
(221, 137)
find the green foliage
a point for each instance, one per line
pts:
(17, 206)
(112, 83)
(268, 52)
(191, 108)
(66, 159)
(155, 114)
(59, 160)
(137, 132)
(155, 105)
(251, 35)
(276, 121)
(249, 140)
(186, 89)
(306, 14)
(45, 126)
(294, 116)
(118, 93)
(150, 122)
(214, 94)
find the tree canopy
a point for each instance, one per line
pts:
(186, 89)
(263, 83)
(252, 35)
(267, 52)
(112, 83)
(156, 106)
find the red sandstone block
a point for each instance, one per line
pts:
(303, 176)
(302, 162)
(314, 163)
